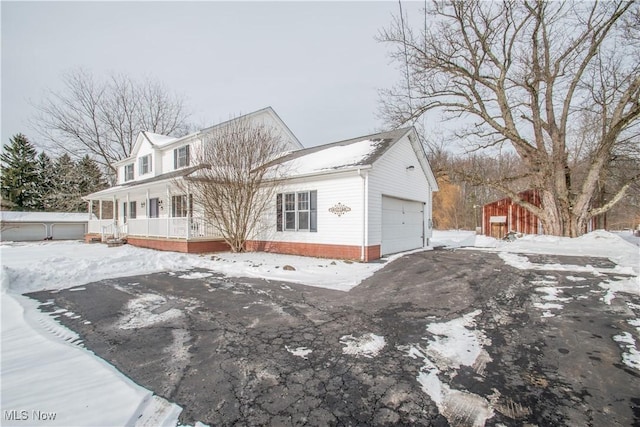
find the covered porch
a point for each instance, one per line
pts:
(157, 215)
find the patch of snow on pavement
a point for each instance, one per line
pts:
(195, 275)
(630, 355)
(455, 342)
(368, 345)
(141, 313)
(629, 285)
(299, 351)
(453, 345)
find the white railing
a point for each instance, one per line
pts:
(183, 228)
(96, 225)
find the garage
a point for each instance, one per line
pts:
(402, 225)
(23, 232)
(69, 231)
(34, 226)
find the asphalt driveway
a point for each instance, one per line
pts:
(252, 352)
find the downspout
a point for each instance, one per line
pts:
(365, 213)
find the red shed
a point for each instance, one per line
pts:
(503, 216)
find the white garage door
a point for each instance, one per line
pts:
(402, 225)
(18, 232)
(68, 231)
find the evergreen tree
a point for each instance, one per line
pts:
(19, 181)
(66, 195)
(73, 180)
(47, 180)
(91, 177)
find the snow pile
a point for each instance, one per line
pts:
(453, 238)
(368, 345)
(598, 243)
(325, 273)
(44, 371)
(454, 344)
(57, 265)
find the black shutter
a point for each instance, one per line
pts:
(279, 212)
(188, 159)
(175, 158)
(313, 211)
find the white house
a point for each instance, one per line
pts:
(360, 198)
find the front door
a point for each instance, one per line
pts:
(153, 208)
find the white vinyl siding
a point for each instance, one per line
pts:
(391, 177)
(297, 211)
(346, 229)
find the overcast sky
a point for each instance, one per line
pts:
(317, 64)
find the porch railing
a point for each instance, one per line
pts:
(184, 228)
(97, 225)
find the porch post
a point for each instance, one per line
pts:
(147, 211)
(90, 208)
(115, 217)
(189, 213)
(100, 211)
(168, 218)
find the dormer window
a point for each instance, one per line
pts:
(181, 157)
(145, 164)
(128, 172)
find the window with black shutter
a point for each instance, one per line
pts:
(297, 211)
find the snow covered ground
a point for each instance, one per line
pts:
(74, 387)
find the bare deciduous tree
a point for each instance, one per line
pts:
(103, 118)
(233, 187)
(524, 73)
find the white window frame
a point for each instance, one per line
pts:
(128, 172)
(144, 165)
(296, 211)
(180, 206)
(182, 157)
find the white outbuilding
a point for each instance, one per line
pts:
(34, 226)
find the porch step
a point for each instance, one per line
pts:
(116, 242)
